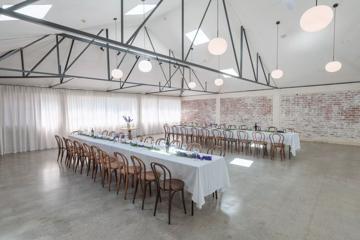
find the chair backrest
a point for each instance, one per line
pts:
(177, 143)
(112, 134)
(68, 144)
(149, 139)
(105, 133)
(139, 166)
(205, 132)
(159, 141)
(277, 138)
(222, 126)
(272, 129)
(123, 159)
(228, 134)
(59, 141)
(194, 147)
(243, 127)
(231, 126)
(174, 129)
(161, 172)
(194, 131)
(78, 147)
(86, 150)
(95, 153)
(216, 150)
(258, 136)
(216, 133)
(242, 135)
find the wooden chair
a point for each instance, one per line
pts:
(78, 156)
(160, 141)
(105, 133)
(95, 151)
(229, 140)
(70, 152)
(277, 142)
(217, 137)
(61, 148)
(176, 143)
(167, 130)
(128, 171)
(259, 140)
(216, 150)
(111, 166)
(167, 184)
(243, 142)
(194, 147)
(176, 133)
(112, 134)
(231, 127)
(148, 139)
(205, 138)
(272, 129)
(88, 157)
(146, 178)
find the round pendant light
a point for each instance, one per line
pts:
(217, 46)
(117, 73)
(316, 18)
(277, 73)
(145, 66)
(219, 82)
(192, 85)
(333, 66)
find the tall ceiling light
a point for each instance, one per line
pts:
(218, 45)
(145, 64)
(116, 73)
(333, 66)
(277, 73)
(316, 18)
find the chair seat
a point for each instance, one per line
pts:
(115, 164)
(278, 145)
(131, 169)
(149, 176)
(176, 184)
(260, 142)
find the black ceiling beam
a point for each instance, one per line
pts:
(45, 56)
(120, 46)
(249, 52)
(144, 22)
(68, 57)
(21, 5)
(132, 68)
(61, 83)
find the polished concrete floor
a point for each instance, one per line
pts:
(314, 196)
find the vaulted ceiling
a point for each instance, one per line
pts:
(302, 55)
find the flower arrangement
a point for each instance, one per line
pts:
(128, 120)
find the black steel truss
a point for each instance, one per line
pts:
(181, 64)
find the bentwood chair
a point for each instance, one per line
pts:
(205, 137)
(145, 178)
(167, 130)
(277, 142)
(95, 152)
(231, 126)
(176, 134)
(148, 139)
(167, 184)
(128, 171)
(61, 147)
(260, 143)
(272, 129)
(111, 166)
(88, 157)
(160, 141)
(176, 143)
(229, 140)
(112, 134)
(244, 142)
(217, 138)
(70, 152)
(78, 156)
(105, 133)
(216, 150)
(194, 147)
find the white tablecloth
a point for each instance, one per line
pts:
(201, 177)
(291, 139)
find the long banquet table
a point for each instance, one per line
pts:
(291, 139)
(201, 177)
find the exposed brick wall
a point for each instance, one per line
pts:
(200, 111)
(247, 111)
(322, 115)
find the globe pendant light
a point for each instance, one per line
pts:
(217, 46)
(192, 85)
(116, 73)
(277, 73)
(145, 64)
(316, 18)
(219, 82)
(333, 66)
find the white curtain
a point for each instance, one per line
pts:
(30, 117)
(156, 111)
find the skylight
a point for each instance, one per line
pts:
(229, 71)
(36, 11)
(200, 38)
(242, 162)
(140, 9)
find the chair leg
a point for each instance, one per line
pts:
(157, 199)
(136, 188)
(169, 210)
(183, 200)
(144, 195)
(192, 208)
(110, 179)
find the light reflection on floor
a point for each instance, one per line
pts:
(242, 162)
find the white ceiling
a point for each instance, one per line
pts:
(302, 55)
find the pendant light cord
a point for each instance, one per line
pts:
(334, 33)
(277, 44)
(116, 55)
(144, 20)
(217, 18)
